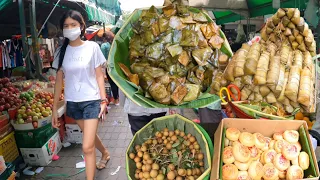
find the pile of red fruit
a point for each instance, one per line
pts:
(9, 95)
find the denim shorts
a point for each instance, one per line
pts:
(83, 110)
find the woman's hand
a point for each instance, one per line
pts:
(54, 121)
(102, 114)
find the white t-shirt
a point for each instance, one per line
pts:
(79, 71)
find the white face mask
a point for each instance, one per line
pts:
(72, 34)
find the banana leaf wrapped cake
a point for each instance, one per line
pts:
(175, 53)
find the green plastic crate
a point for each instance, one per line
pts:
(172, 122)
(34, 138)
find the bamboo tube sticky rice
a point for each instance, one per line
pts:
(264, 90)
(298, 59)
(245, 93)
(284, 54)
(247, 80)
(271, 98)
(290, 12)
(274, 70)
(296, 17)
(309, 38)
(272, 48)
(257, 97)
(295, 104)
(250, 66)
(228, 73)
(241, 60)
(304, 89)
(281, 96)
(260, 76)
(285, 21)
(292, 87)
(289, 62)
(281, 79)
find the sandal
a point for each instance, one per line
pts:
(102, 163)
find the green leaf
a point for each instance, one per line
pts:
(176, 144)
(163, 170)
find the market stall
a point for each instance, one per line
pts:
(271, 77)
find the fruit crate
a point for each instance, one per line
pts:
(8, 148)
(7, 173)
(7, 129)
(34, 138)
(172, 122)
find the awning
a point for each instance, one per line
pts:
(4, 4)
(104, 11)
(97, 14)
(230, 10)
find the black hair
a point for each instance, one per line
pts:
(78, 17)
(108, 36)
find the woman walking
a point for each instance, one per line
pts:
(80, 64)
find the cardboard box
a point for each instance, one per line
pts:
(266, 128)
(74, 133)
(8, 148)
(41, 122)
(42, 156)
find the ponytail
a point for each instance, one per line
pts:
(63, 52)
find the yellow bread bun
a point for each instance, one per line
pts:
(290, 151)
(229, 172)
(295, 161)
(259, 140)
(235, 142)
(246, 139)
(282, 174)
(292, 136)
(298, 146)
(241, 153)
(262, 160)
(266, 147)
(294, 172)
(304, 160)
(271, 144)
(279, 144)
(269, 155)
(243, 175)
(277, 136)
(242, 166)
(233, 134)
(281, 163)
(226, 142)
(227, 156)
(255, 170)
(254, 152)
(270, 172)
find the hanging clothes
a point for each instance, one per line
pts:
(16, 50)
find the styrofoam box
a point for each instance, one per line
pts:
(74, 133)
(42, 156)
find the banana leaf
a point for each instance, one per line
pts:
(119, 52)
(171, 122)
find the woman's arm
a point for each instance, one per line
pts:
(100, 80)
(57, 93)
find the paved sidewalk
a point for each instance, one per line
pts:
(116, 136)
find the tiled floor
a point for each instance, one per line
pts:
(116, 136)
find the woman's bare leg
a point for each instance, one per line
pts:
(89, 129)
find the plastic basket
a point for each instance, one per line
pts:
(172, 122)
(8, 148)
(34, 138)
